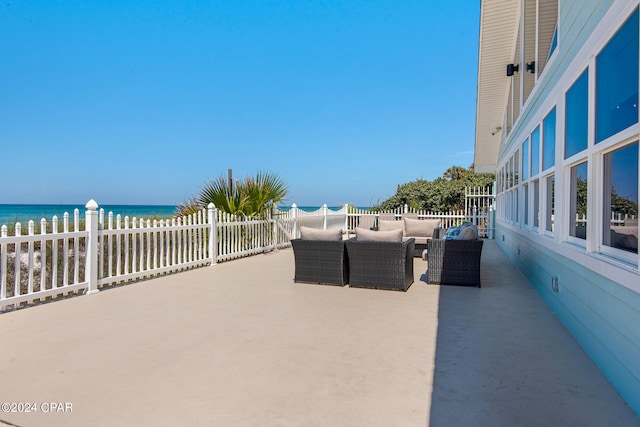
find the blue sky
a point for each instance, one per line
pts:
(142, 102)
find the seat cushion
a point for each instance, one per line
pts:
(420, 240)
(307, 233)
(420, 227)
(363, 234)
(384, 225)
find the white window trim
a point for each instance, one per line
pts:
(567, 212)
(599, 161)
(604, 260)
(544, 205)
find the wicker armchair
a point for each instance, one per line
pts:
(454, 262)
(320, 261)
(380, 265)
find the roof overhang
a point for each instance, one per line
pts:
(498, 36)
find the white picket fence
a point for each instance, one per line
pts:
(479, 209)
(617, 219)
(93, 252)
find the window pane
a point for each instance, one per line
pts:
(549, 140)
(535, 151)
(526, 205)
(554, 43)
(514, 206)
(621, 198)
(516, 167)
(617, 82)
(576, 116)
(551, 200)
(536, 203)
(578, 212)
(525, 159)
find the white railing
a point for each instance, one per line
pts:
(290, 221)
(240, 237)
(42, 265)
(449, 219)
(617, 219)
(130, 250)
(97, 252)
(479, 209)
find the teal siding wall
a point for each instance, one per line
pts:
(602, 315)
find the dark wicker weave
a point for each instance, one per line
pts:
(454, 262)
(420, 247)
(319, 261)
(380, 265)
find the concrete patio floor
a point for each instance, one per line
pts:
(239, 344)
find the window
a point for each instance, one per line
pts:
(536, 203)
(578, 194)
(549, 140)
(525, 159)
(554, 43)
(535, 151)
(547, 32)
(576, 116)
(514, 205)
(617, 82)
(516, 167)
(526, 205)
(550, 205)
(621, 198)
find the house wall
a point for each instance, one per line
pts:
(602, 315)
(598, 294)
(577, 20)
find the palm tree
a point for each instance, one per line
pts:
(455, 173)
(228, 198)
(252, 196)
(263, 191)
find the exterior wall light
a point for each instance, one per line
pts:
(531, 67)
(512, 68)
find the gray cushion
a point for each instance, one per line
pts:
(421, 227)
(420, 240)
(363, 234)
(390, 225)
(307, 233)
(468, 231)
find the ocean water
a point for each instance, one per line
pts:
(308, 208)
(10, 214)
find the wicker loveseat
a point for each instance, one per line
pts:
(377, 263)
(320, 257)
(456, 260)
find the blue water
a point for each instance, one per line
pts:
(315, 208)
(10, 214)
(308, 208)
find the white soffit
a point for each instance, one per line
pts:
(498, 32)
